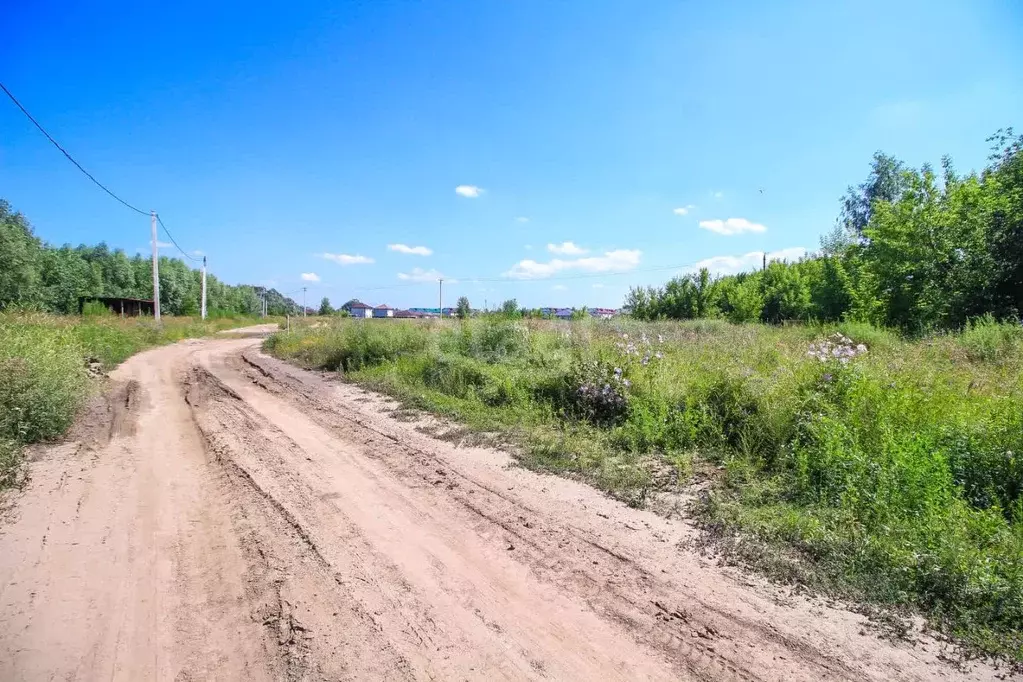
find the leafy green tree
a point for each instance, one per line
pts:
(20, 254)
(462, 308)
(510, 308)
(325, 307)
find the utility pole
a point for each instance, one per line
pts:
(303, 302)
(202, 308)
(156, 270)
(765, 260)
(440, 297)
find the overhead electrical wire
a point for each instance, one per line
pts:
(509, 280)
(197, 259)
(65, 153)
(90, 176)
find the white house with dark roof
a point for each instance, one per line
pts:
(383, 310)
(357, 308)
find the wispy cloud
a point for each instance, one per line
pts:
(197, 252)
(621, 260)
(732, 226)
(411, 250)
(310, 277)
(420, 275)
(559, 287)
(522, 219)
(683, 210)
(718, 195)
(163, 245)
(598, 285)
(469, 191)
(566, 249)
(346, 259)
(729, 265)
(529, 247)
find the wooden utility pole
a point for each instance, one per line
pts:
(156, 270)
(765, 260)
(202, 308)
(303, 302)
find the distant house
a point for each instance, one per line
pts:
(357, 308)
(563, 313)
(603, 313)
(383, 310)
(407, 315)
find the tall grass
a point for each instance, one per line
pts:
(844, 455)
(43, 369)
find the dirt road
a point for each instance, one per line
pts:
(222, 516)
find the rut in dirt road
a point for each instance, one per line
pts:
(226, 516)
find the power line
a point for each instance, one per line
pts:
(510, 280)
(173, 241)
(65, 153)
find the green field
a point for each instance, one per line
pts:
(44, 368)
(843, 456)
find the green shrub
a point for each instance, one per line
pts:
(987, 340)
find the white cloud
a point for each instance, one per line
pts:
(197, 252)
(732, 226)
(420, 275)
(163, 245)
(529, 247)
(522, 219)
(411, 250)
(683, 210)
(469, 191)
(310, 277)
(729, 265)
(566, 249)
(559, 287)
(598, 285)
(345, 259)
(718, 195)
(620, 260)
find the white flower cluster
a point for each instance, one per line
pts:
(836, 347)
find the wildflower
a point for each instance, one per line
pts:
(860, 348)
(660, 339)
(626, 383)
(618, 371)
(828, 377)
(658, 355)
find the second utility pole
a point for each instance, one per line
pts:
(303, 301)
(202, 308)
(440, 297)
(156, 270)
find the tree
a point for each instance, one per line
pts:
(20, 253)
(325, 307)
(510, 308)
(462, 308)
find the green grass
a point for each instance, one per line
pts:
(44, 378)
(895, 477)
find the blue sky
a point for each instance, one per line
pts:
(268, 137)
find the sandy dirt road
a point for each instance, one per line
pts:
(223, 516)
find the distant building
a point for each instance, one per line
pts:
(383, 310)
(407, 315)
(603, 313)
(125, 307)
(357, 308)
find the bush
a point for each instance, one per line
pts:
(987, 340)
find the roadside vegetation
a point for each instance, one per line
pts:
(48, 364)
(844, 456)
(856, 416)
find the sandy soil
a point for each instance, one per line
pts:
(223, 516)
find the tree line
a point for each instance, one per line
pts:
(37, 275)
(916, 249)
